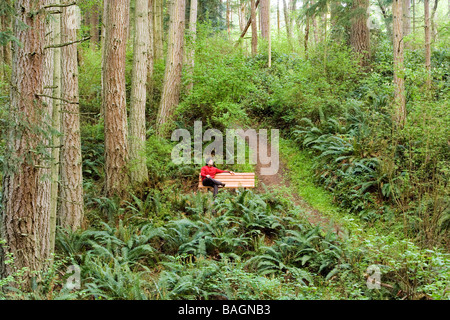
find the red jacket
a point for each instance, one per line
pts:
(211, 171)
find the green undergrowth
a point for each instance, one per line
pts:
(403, 263)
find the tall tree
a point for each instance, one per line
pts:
(151, 51)
(278, 17)
(158, 29)
(103, 42)
(287, 21)
(172, 76)
(359, 31)
(24, 222)
(5, 25)
(399, 80)
(71, 210)
(137, 134)
(307, 27)
(426, 4)
(56, 124)
(406, 17)
(193, 36)
(93, 22)
(228, 17)
(265, 27)
(254, 28)
(242, 15)
(114, 98)
(433, 22)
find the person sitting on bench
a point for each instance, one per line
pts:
(208, 172)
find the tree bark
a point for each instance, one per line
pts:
(306, 33)
(386, 18)
(114, 99)
(254, 28)
(265, 19)
(93, 21)
(103, 42)
(158, 31)
(427, 41)
(242, 16)
(71, 210)
(172, 77)
(278, 17)
(287, 22)
(433, 23)
(265, 27)
(24, 223)
(151, 51)
(193, 36)
(399, 80)
(139, 173)
(406, 17)
(359, 32)
(228, 17)
(6, 49)
(56, 124)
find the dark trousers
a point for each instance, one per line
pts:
(210, 182)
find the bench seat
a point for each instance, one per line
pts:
(237, 180)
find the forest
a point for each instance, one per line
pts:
(94, 95)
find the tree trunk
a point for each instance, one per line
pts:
(265, 19)
(265, 27)
(114, 99)
(6, 49)
(103, 42)
(24, 223)
(228, 16)
(306, 33)
(93, 21)
(45, 184)
(242, 16)
(254, 28)
(316, 29)
(287, 22)
(158, 31)
(399, 80)
(56, 124)
(359, 32)
(278, 17)
(427, 41)
(71, 211)
(433, 22)
(406, 17)
(151, 51)
(386, 18)
(193, 36)
(139, 173)
(172, 77)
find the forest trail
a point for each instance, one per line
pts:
(280, 180)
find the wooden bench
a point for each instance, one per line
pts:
(232, 181)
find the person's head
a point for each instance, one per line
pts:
(210, 162)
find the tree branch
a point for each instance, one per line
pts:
(60, 5)
(65, 44)
(56, 98)
(249, 22)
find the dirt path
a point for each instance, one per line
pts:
(281, 179)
